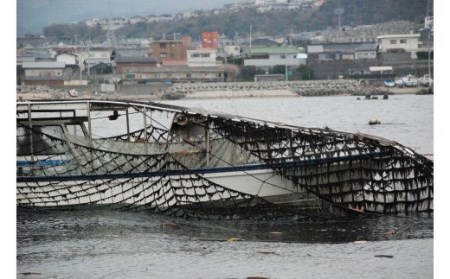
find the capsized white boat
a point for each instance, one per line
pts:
(193, 163)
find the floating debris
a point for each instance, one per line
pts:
(268, 253)
(389, 231)
(383, 256)
(73, 93)
(374, 122)
(169, 225)
(234, 239)
(276, 233)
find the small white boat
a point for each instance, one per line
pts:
(399, 83)
(389, 83)
(410, 81)
(426, 80)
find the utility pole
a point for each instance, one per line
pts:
(339, 11)
(250, 38)
(285, 68)
(50, 12)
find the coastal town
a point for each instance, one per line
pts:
(226, 139)
(382, 58)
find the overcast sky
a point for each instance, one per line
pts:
(33, 15)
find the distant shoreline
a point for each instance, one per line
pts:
(45, 93)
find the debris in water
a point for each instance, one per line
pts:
(389, 232)
(170, 225)
(30, 273)
(268, 252)
(276, 233)
(374, 122)
(384, 256)
(234, 239)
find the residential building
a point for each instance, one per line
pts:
(34, 54)
(50, 73)
(267, 57)
(231, 49)
(134, 67)
(131, 52)
(165, 50)
(201, 57)
(332, 60)
(96, 56)
(68, 58)
(182, 74)
(399, 43)
(342, 51)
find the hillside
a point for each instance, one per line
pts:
(357, 12)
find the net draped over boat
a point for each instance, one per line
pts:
(165, 166)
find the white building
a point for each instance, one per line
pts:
(232, 49)
(273, 56)
(402, 42)
(201, 57)
(67, 58)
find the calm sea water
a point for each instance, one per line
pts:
(112, 244)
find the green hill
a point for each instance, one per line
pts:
(356, 12)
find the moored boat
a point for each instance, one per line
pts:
(389, 83)
(410, 81)
(426, 81)
(399, 83)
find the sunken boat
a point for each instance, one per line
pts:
(193, 163)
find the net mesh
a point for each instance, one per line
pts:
(165, 169)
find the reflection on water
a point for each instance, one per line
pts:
(114, 244)
(41, 225)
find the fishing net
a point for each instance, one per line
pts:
(168, 167)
